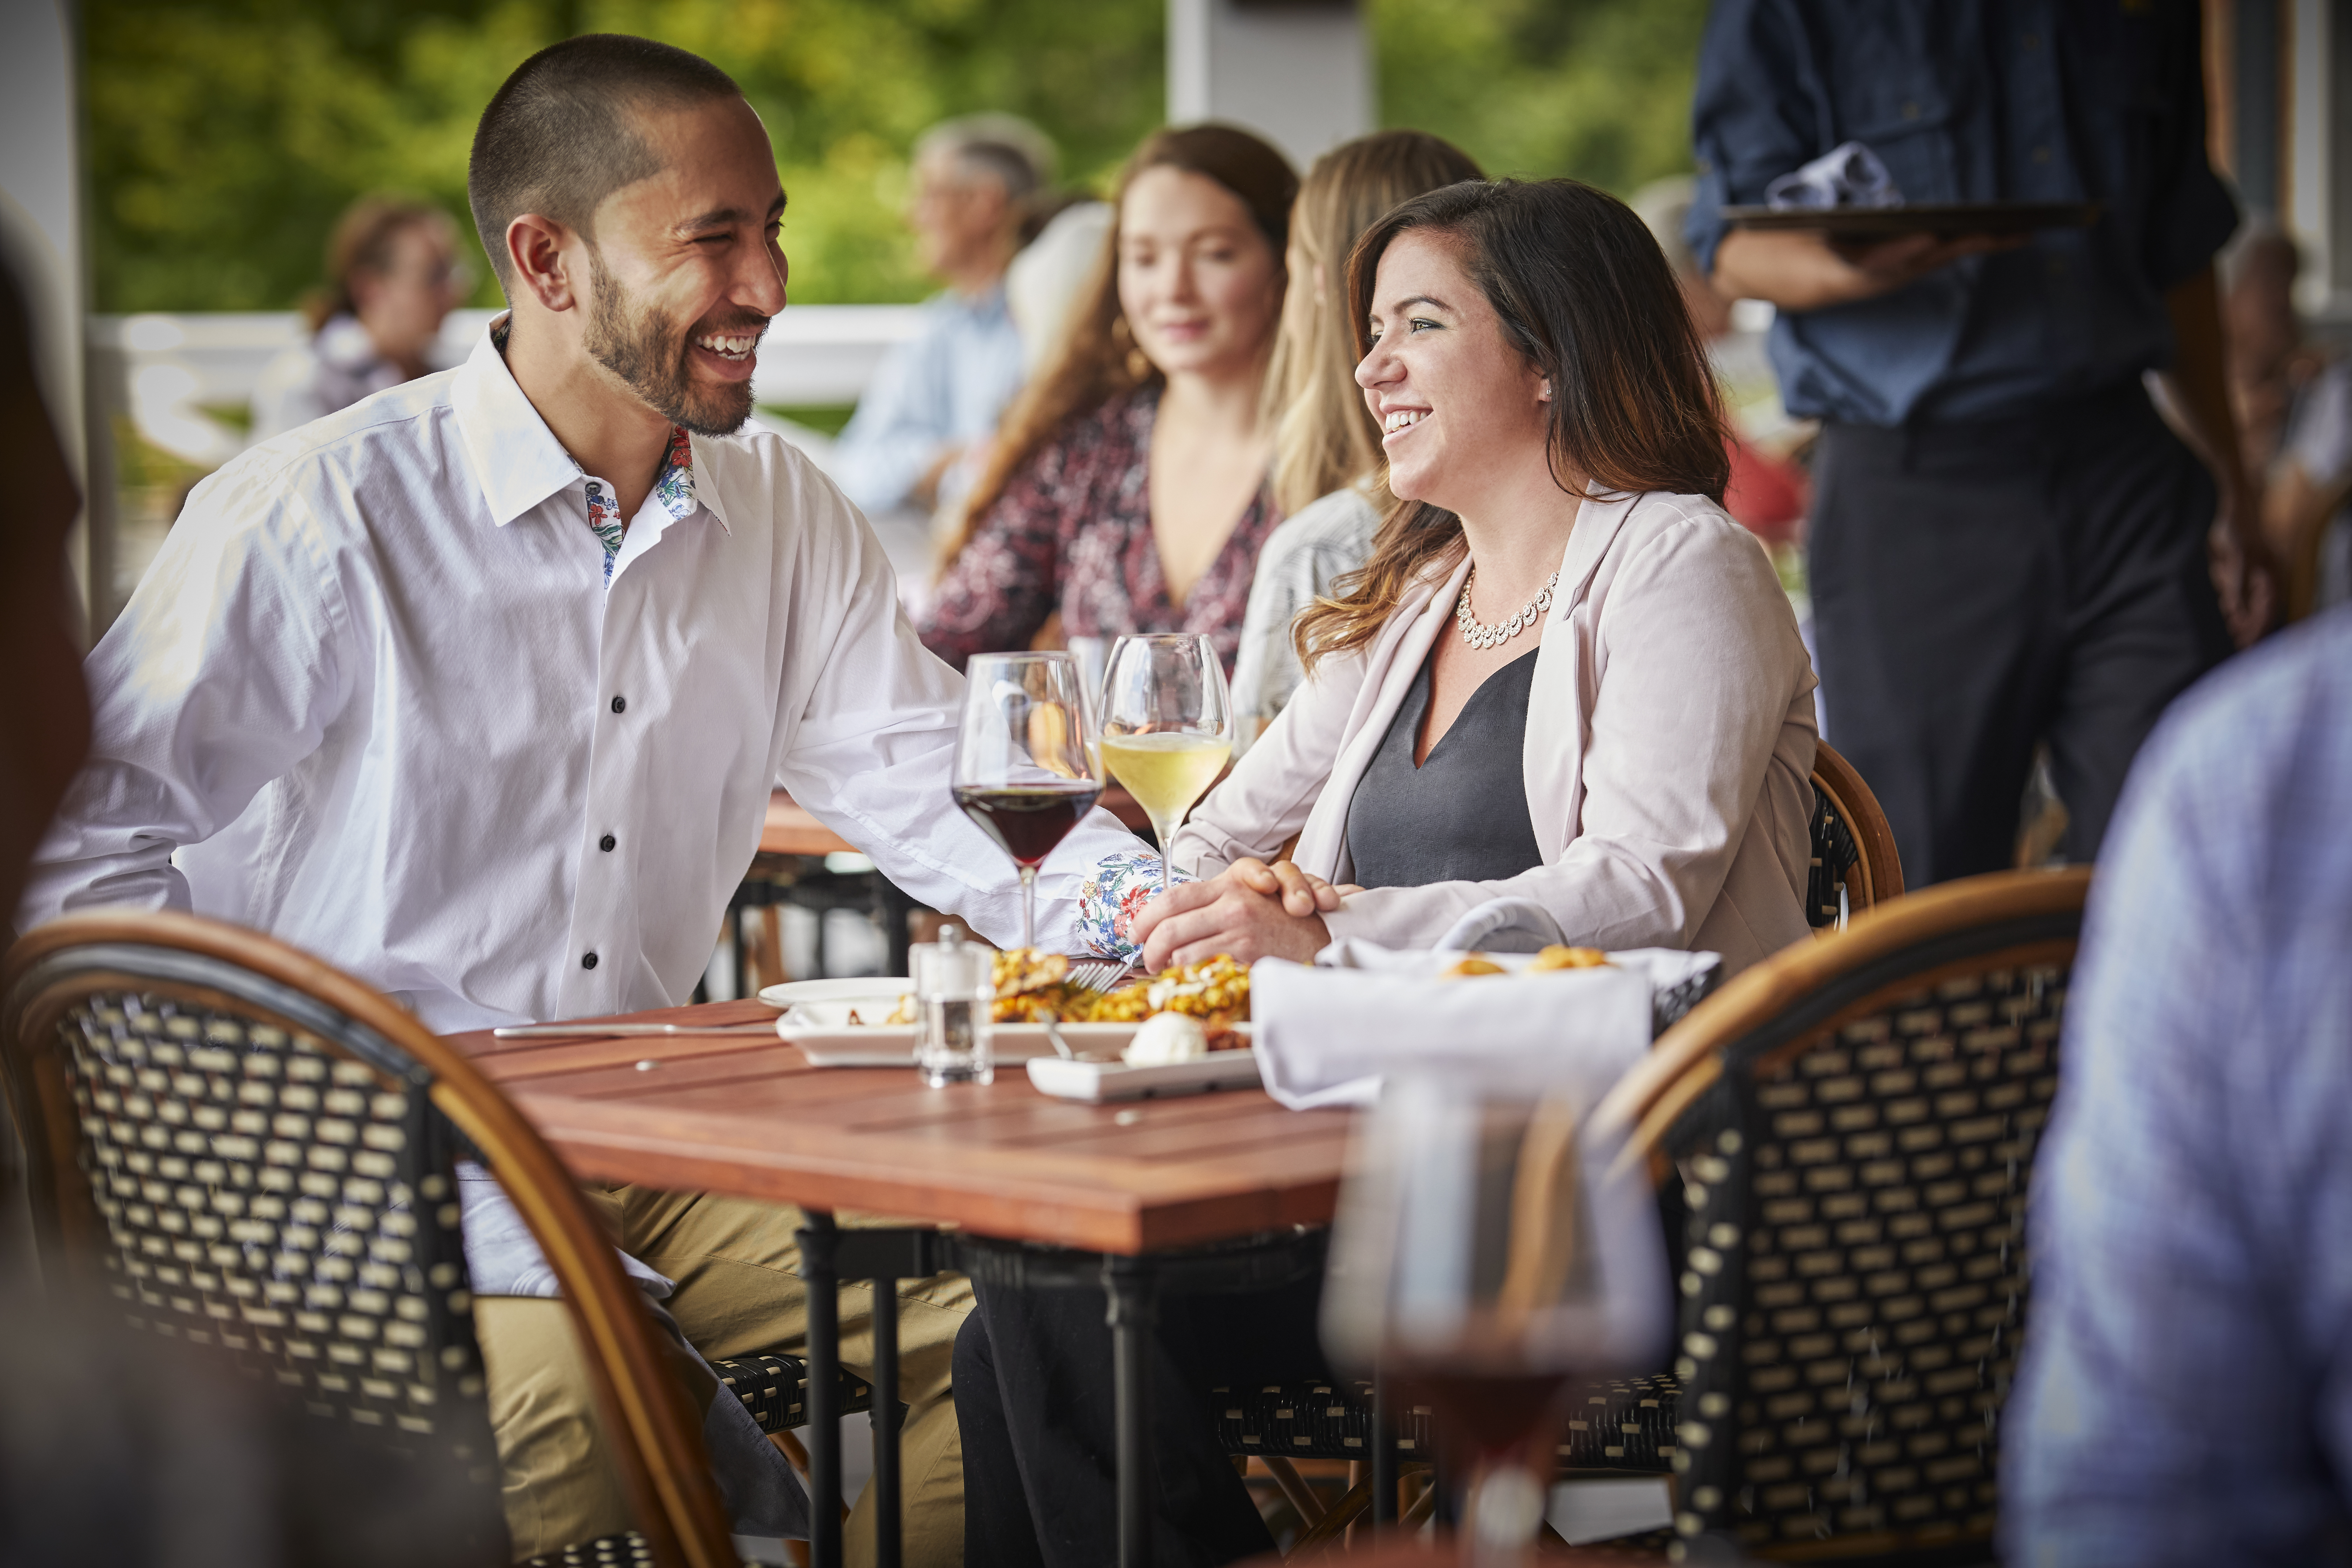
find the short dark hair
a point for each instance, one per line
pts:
(561, 135)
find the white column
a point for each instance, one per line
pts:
(1297, 72)
(40, 214)
(2318, 197)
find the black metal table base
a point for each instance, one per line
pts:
(1131, 1287)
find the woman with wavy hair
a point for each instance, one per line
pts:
(1327, 449)
(1127, 489)
(1565, 675)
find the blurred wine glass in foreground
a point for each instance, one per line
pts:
(1492, 1254)
(1024, 769)
(1167, 725)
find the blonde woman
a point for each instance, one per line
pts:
(1327, 449)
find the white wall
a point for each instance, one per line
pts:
(2318, 194)
(1299, 72)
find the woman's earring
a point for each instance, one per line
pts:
(1139, 363)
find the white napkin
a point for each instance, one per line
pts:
(1326, 1034)
(1849, 175)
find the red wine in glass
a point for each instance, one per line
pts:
(1027, 820)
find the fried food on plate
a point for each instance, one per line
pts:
(1018, 971)
(1558, 957)
(1471, 965)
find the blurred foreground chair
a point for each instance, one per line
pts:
(255, 1156)
(1855, 1121)
(1855, 861)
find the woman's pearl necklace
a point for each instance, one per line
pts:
(1483, 636)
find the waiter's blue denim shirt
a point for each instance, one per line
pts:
(1969, 100)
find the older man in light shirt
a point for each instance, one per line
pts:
(478, 690)
(938, 396)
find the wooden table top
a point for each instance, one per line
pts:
(746, 1115)
(791, 830)
(1411, 1549)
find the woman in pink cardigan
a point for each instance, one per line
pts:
(1566, 675)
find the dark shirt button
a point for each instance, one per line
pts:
(620, 705)
(588, 960)
(606, 843)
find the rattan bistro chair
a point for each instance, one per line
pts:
(254, 1153)
(1855, 1121)
(1854, 862)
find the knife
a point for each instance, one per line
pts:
(618, 1031)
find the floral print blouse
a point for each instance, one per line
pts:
(1073, 532)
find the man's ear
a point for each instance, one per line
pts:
(535, 256)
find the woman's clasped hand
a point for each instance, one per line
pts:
(1249, 910)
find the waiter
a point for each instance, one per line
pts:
(2008, 546)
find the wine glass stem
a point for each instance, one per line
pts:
(1166, 833)
(1028, 906)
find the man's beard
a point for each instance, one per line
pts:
(649, 353)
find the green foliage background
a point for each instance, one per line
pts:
(225, 135)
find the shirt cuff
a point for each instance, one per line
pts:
(1113, 894)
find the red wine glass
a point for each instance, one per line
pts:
(1024, 772)
(1493, 1252)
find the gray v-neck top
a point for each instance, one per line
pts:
(1461, 816)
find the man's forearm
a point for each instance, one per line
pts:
(2199, 387)
(1802, 270)
(1791, 271)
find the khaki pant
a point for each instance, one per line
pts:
(736, 1295)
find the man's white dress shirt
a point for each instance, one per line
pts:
(373, 694)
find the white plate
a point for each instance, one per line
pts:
(886, 989)
(1095, 1082)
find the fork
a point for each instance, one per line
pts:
(1101, 973)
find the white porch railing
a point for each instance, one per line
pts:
(172, 368)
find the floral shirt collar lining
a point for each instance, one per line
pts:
(674, 490)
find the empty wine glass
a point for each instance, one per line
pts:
(1167, 725)
(1493, 1252)
(1025, 771)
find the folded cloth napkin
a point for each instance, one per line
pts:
(1326, 1034)
(1849, 175)
(761, 1491)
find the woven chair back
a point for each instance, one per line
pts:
(1854, 852)
(252, 1175)
(255, 1156)
(1855, 1124)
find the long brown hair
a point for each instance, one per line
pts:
(1098, 359)
(1585, 295)
(1324, 437)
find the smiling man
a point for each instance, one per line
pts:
(478, 688)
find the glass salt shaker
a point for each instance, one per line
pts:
(954, 996)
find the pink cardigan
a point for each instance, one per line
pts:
(1669, 748)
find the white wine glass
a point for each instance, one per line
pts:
(1026, 769)
(1493, 1252)
(1167, 725)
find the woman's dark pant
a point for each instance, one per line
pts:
(1033, 1395)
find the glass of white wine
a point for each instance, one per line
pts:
(1167, 725)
